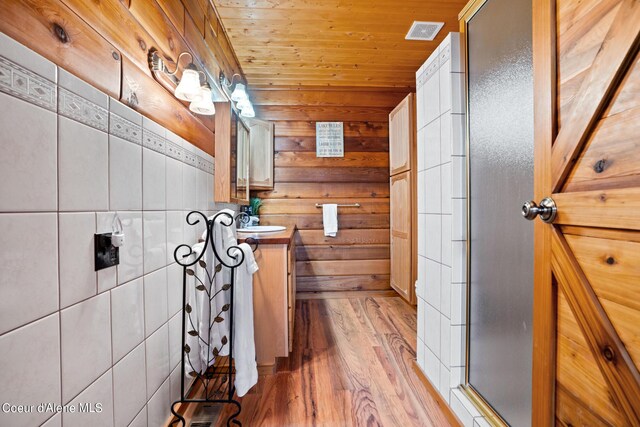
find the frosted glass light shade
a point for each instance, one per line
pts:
(189, 86)
(243, 103)
(248, 111)
(239, 93)
(202, 103)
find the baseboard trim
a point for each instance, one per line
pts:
(346, 294)
(186, 409)
(446, 409)
(264, 370)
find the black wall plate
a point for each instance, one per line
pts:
(106, 255)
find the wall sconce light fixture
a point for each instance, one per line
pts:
(189, 88)
(239, 95)
(239, 92)
(202, 103)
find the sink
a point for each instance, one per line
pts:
(261, 229)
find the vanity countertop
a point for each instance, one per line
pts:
(274, 238)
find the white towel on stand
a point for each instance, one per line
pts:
(330, 219)
(197, 319)
(223, 237)
(244, 346)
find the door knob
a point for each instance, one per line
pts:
(547, 210)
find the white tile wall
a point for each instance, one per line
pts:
(141, 419)
(68, 333)
(153, 172)
(174, 378)
(127, 314)
(155, 300)
(174, 285)
(78, 87)
(129, 386)
(83, 169)
(432, 282)
(29, 157)
(155, 240)
(445, 379)
(445, 291)
(27, 238)
(432, 144)
(86, 344)
(157, 348)
(433, 235)
(30, 357)
(125, 174)
(55, 421)
(98, 393)
(174, 184)
(432, 329)
(175, 337)
(77, 276)
(175, 232)
(442, 237)
(433, 190)
(159, 406)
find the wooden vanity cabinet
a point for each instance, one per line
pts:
(274, 297)
(291, 286)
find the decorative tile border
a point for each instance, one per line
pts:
(201, 163)
(174, 150)
(82, 110)
(445, 54)
(421, 80)
(153, 141)
(432, 68)
(190, 158)
(24, 84)
(125, 129)
(204, 164)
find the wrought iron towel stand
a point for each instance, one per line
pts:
(217, 376)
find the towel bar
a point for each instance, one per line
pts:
(353, 205)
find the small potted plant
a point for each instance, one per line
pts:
(254, 204)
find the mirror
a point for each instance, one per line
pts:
(239, 159)
(232, 153)
(242, 172)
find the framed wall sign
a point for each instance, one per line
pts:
(329, 139)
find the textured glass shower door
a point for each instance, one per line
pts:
(500, 178)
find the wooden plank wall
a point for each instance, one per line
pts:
(106, 43)
(358, 258)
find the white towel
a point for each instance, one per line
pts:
(330, 219)
(198, 319)
(244, 346)
(224, 237)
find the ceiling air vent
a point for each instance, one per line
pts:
(424, 30)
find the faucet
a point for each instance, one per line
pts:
(242, 220)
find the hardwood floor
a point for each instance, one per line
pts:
(352, 365)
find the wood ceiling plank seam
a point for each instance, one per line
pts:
(355, 48)
(222, 30)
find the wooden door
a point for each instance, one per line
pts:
(587, 284)
(401, 239)
(261, 157)
(401, 136)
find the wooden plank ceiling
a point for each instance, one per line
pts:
(332, 42)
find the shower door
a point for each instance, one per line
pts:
(500, 117)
